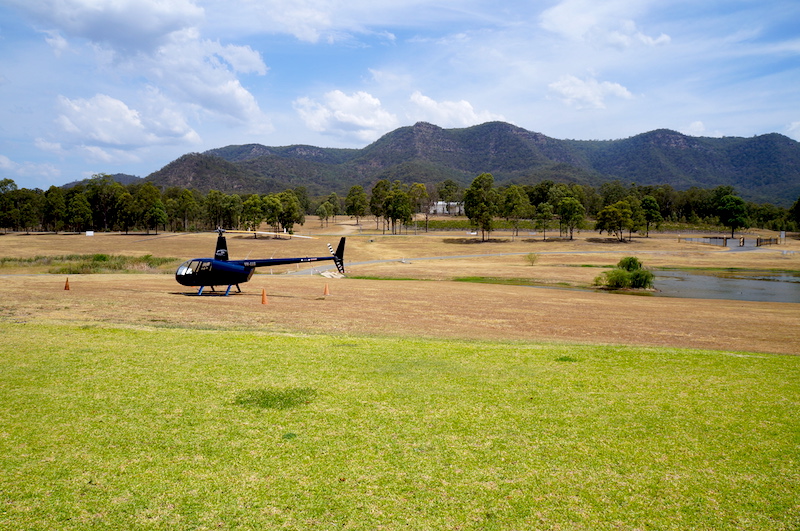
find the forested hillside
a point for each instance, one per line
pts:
(762, 169)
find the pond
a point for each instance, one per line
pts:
(738, 285)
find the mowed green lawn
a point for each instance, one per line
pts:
(108, 428)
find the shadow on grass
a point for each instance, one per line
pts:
(275, 398)
(473, 240)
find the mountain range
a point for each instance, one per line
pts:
(762, 169)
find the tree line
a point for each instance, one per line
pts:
(616, 208)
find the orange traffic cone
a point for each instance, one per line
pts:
(327, 290)
(66, 285)
(263, 296)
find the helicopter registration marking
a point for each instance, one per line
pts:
(249, 264)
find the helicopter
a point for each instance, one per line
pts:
(220, 271)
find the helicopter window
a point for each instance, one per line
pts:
(189, 267)
(183, 269)
(204, 266)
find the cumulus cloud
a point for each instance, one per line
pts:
(29, 169)
(160, 42)
(587, 93)
(202, 73)
(604, 22)
(448, 113)
(107, 121)
(698, 128)
(125, 25)
(359, 115)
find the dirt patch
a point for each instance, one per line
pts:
(431, 305)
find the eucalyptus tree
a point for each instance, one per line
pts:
(7, 187)
(544, 215)
(377, 200)
(356, 203)
(272, 207)
(253, 212)
(652, 213)
(515, 206)
(187, 208)
(615, 219)
(397, 208)
(324, 212)
(291, 210)
(55, 209)
(732, 212)
(418, 195)
(149, 206)
(79, 212)
(571, 214)
(336, 207)
(102, 192)
(480, 203)
(29, 208)
(126, 211)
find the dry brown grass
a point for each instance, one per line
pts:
(432, 305)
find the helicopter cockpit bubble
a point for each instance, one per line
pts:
(188, 267)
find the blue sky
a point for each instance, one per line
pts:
(126, 86)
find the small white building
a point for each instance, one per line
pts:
(447, 208)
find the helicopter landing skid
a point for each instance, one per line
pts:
(227, 291)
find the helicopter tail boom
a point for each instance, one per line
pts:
(338, 256)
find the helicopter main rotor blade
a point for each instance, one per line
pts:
(270, 233)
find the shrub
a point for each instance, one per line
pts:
(617, 279)
(629, 273)
(641, 279)
(630, 263)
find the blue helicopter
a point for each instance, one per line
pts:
(220, 271)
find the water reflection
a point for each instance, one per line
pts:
(739, 285)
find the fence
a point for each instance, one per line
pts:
(725, 241)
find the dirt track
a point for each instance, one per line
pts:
(430, 308)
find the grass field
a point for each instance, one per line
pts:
(428, 403)
(113, 428)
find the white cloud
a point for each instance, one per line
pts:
(6, 163)
(160, 42)
(358, 115)
(103, 120)
(627, 35)
(448, 113)
(588, 93)
(30, 169)
(698, 128)
(330, 21)
(125, 25)
(794, 130)
(51, 147)
(243, 59)
(606, 22)
(201, 73)
(56, 41)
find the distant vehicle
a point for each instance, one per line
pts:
(220, 271)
